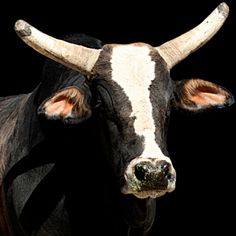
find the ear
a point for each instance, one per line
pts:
(197, 94)
(69, 105)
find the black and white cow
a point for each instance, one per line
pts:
(88, 145)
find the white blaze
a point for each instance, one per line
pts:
(133, 70)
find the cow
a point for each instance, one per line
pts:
(86, 150)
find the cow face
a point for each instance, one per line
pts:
(136, 93)
(136, 90)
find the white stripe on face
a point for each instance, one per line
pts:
(134, 70)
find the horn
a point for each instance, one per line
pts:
(179, 48)
(71, 55)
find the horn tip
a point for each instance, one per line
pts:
(223, 9)
(22, 28)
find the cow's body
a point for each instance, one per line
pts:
(88, 148)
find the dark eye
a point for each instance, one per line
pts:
(105, 99)
(97, 103)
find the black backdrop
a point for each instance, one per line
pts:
(201, 145)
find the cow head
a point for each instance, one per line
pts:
(133, 84)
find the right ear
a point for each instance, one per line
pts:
(70, 105)
(198, 94)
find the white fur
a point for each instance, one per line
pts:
(133, 70)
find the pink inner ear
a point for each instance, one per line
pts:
(203, 94)
(204, 98)
(61, 107)
(68, 103)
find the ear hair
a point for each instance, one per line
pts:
(197, 94)
(69, 105)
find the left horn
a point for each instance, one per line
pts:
(71, 55)
(179, 48)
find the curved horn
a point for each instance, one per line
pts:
(179, 48)
(74, 56)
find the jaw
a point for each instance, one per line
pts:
(144, 194)
(138, 189)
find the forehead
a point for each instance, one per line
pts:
(132, 65)
(138, 62)
(136, 69)
(133, 69)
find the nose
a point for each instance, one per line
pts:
(153, 175)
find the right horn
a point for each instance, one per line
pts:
(179, 48)
(72, 55)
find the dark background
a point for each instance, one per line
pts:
(202, 146)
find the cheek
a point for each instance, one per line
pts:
(161, 120)
(135, 146)
(113, 134)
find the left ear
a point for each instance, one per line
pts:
(197, 94)
(69, 105)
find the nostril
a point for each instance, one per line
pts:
(140, 171)
(165, 166)
(165, 169)
(169, 176)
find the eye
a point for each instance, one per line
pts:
(105, 99)
(97, 103)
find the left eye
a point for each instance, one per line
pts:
(98, 103)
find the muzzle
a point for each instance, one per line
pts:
(149, 177)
